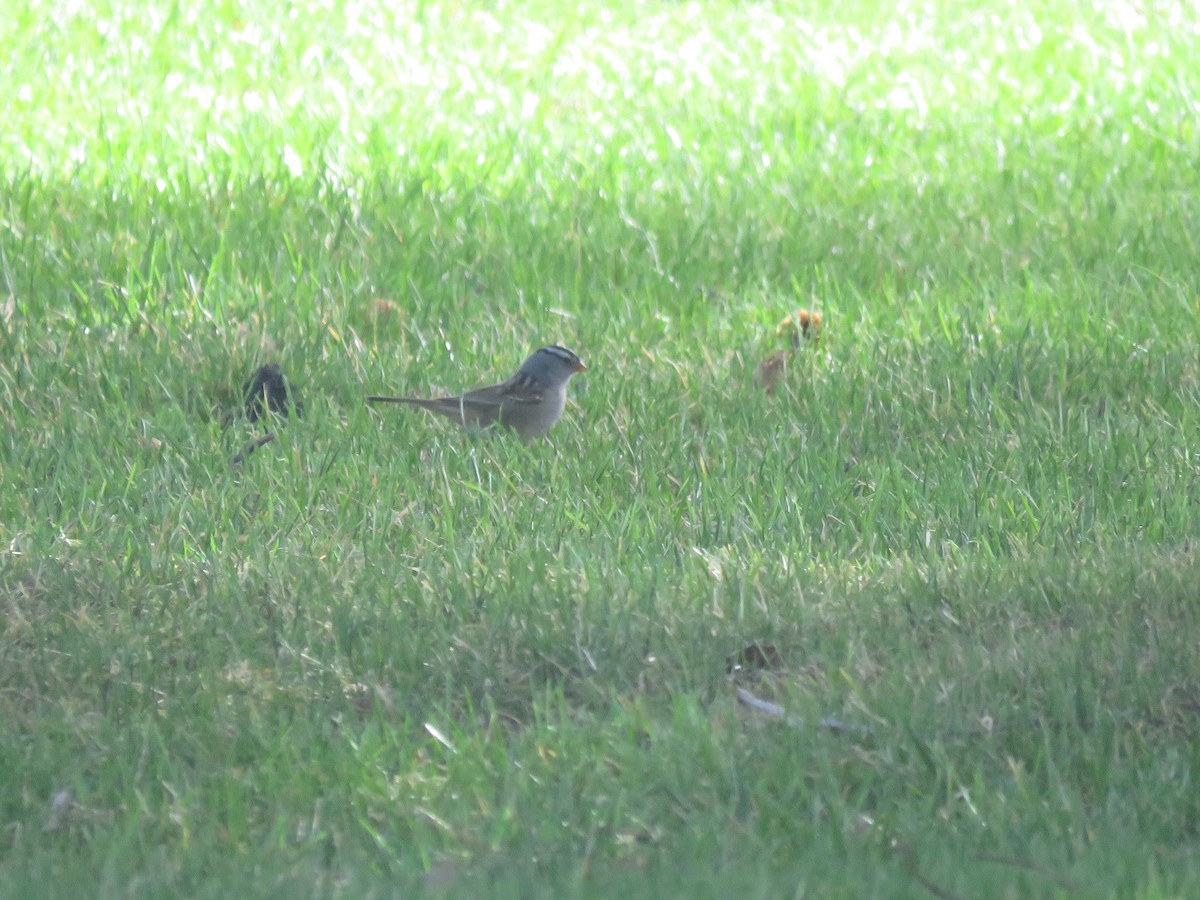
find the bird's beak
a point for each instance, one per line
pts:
(581, 367)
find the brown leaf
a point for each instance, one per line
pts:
(384, 307)
(754, 656)
(771, 370)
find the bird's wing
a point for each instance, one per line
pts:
(500, 395)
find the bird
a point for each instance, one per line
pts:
(529, 403)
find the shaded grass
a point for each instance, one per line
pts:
(1018, 711)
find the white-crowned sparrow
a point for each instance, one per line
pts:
(529, 403)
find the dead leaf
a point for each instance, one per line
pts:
(754, 656)
(383, 307)
(770, 371)
(266, 391)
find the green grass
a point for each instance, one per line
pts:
(380, 657)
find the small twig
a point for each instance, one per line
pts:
(1028, 866)
(908, 860)
(837, 726)
(778, 712)
(939, 892)
(252, 446)
(770, 709)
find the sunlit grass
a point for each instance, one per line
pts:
(376, 655)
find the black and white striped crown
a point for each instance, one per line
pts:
(567, 357)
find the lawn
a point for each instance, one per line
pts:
(923, 620)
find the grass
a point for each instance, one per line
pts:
(379, 658)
